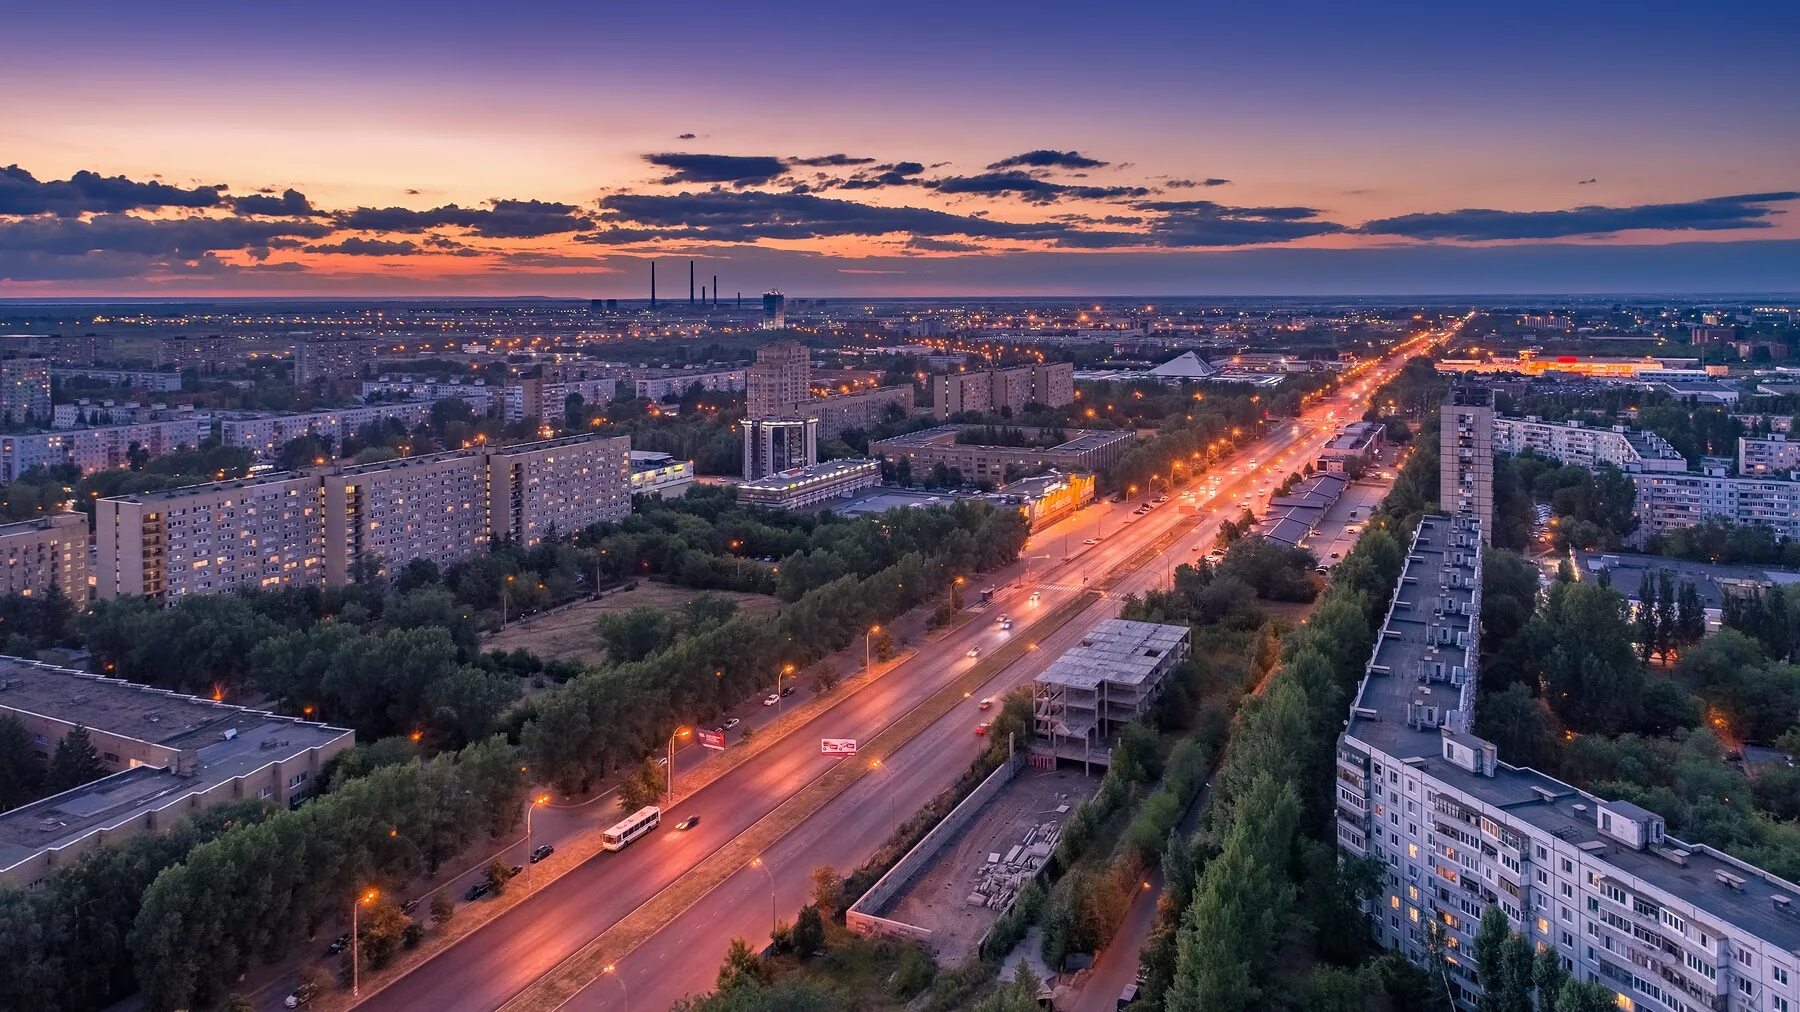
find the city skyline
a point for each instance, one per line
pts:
(1311, 150)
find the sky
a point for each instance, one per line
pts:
(462, 149)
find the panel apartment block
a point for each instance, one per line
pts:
(98, 449)
(51, 552)
(1466, 455)
(432, 507)
(1664, 924)
(560, 485)
(206, 539)
(1572, 442)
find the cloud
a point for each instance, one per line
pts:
(738, 170)
(684, 137)
(750, 215)
(502, 219)
(838, 160)
(91, 193)
(358, 246)
(930, 245)
(1186, 184)
(892, 174)
(184, 238)
(1584, 182)
(1031, 188)
(1046, 158)
(291, 204)
(1747, 210)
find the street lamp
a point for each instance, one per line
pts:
(757, 862)
(786, 669)
(503, 601)
(542, 799)
(868, 664)
(609, 970)
(680, 732)
(893, 810)
(368, 896)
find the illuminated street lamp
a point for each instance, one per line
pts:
(786, 669)
(368, 896)
(542, 799)
(757, 862)
(609, 970)
(893, 810)
(680, 732)
(868, 663)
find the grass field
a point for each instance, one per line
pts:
(568, 634)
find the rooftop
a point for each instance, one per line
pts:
(797, 477)
(1711, 580)
(1117, 650)
(1078, 439)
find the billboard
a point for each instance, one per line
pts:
(837, 746)
(711, 739)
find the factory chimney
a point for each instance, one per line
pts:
(715, 289)
(652, 284)
(690, 282)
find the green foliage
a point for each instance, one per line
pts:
(742, 968)
(252, 894)
(1591, 673)
(809, 931)
(75, 762)
(22, 769)
(1715, 539)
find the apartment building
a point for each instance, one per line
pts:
(657, 384)
(101, 448)
(1112, 677)
(1666, 925)
(1466, 455)
(548, 400)
(264, 435)
(432, 507)
(779, 383)
(1666, 502)
(772, 445)
(321, 526)
(37, 556)
(557, 486)
(169, 756)
(1081, 450)
(1002, 390)
(1771, 454)
(859, 409)
(24, 390)
(1572, 442)
(344, 358)
(155, 381)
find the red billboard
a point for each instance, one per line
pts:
(712, 739)
(837, 746)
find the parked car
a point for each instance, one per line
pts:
(409, 906)
(542, 852)
(338, 944)
(787, 690)
(478, 890)
(688, 823)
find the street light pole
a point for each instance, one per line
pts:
(893, 807)
(680, 732)
(868, 664)
(611, 970)
(529, 807)
(356, 942)
(757, 862)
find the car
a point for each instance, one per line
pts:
(292, 1000)
(1006, 625)
(987, 703)
(1090, 541)
(409, 906)
(1002, 620)
(733, 722)
(516, 869)
(1034, 597)
(1323, 570)
(542, 852)
(688, 823)
(982, 728)
(338, 944)
(787, 690)
(1316, 532)
(1162, 498)
(771, 699)
(478, 890)
(1334, 555)
(974, 651)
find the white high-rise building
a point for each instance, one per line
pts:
(1667, 925)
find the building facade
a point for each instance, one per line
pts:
(37, 556)
(432, 507)
(808, 486)
(558, 486)
(346, 358)
(265, 435)
(160, 382)
(1771, 454)
(25, 391)
(99, 449)
(1574, 443)
(779, 383)
(1466, 455)
(547, 400)
(1051, 384)
(660, 474)
(1082, 450)
(661, 383)
(1666, 502)
(249, 534)
(1664, 924)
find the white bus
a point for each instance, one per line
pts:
(637, 824)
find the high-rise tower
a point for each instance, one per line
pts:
(1466, 455)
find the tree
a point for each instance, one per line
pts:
(1690, 616)
(236, 1002)
(828, 891)
(21, 767)
(443, 909)
(499, 873)
(1590, 669)
(809, 931)
(643, 786)
(1519, 726)
(1644, 627)
(1504, 963)
(636, 633)
(742, 968)
(1586, 996)
(74, 763)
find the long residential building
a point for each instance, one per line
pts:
(656, 384)
(1080, 450)
(98, 449)
(168, 756)
(329, 525)
(49, 553)
(1771, 454)
(25, 390)
(264, 435)
(153, 380)
(1667, 502)
(1666, 925)
(1572, 442)
(1051, 384)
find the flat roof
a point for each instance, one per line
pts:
(163, 495)
(879, 499)
(1709, 578)
(226, 741)
(782, 481)
(1117, 650)
(1078, 439)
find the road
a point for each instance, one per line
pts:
(684, 956)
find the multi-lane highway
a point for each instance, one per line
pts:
(496, 962)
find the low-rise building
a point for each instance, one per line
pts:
(49, 553)
(660, 474)
(656, 384)
(1084, 698)
(1291, 518)
(1046, 498)
(1354, 445)
(1078, 450)
(1713, 582)
(1663, 923)
(800, 487)
(171, 755)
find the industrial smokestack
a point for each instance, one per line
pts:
(715, 289)
(652, 284)
(690, 282)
